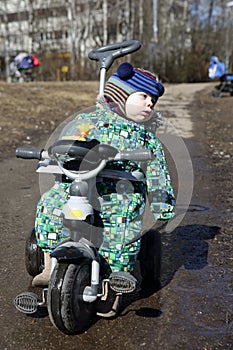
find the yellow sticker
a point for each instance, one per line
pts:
(81, 132)
(75, 213)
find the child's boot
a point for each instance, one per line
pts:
(42, 280)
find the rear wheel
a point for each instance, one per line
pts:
(34, 257)
(150, 262)
(67, 310)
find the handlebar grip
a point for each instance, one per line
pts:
(137, 155)
(28, 153)
(108, 53)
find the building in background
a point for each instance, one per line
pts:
(63, 30)
(178, 36)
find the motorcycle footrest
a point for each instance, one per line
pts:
(122, 282)
(26, 302)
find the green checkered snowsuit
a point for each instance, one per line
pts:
(120, 213)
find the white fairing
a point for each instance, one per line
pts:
(77, 208)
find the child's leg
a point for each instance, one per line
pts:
(48, 224)
(42, 279)
(122, 219)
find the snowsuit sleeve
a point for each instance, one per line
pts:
(159, 185)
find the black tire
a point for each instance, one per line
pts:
(68, 311)
(150, 262)
(34, 257)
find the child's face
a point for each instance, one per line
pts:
(139, 107)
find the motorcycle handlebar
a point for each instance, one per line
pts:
(104, 154)
(81, 149)
(108, 53)
(99, 155)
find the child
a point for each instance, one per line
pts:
(125, 119)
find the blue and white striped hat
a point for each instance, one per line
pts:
(128, 80)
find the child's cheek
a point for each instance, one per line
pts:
(133, 110)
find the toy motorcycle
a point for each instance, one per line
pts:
(82, 285)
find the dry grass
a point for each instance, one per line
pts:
(31, 109)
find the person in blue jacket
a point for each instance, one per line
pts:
(125, 119)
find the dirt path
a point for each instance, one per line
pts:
(176, 103)
(193, 309)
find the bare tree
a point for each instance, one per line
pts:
(72, 36)
(105, 22)
(177, 35)
(6, 36)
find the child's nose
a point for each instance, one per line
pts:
(149, 102)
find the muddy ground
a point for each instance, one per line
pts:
(194, 307)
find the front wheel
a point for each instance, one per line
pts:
(68, 311)
(34, 257)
